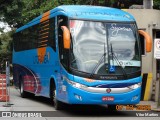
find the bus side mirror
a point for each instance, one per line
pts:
(66, 37)
(147, 39)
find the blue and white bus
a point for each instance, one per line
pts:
(80, 55)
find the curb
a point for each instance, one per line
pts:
(156, 109)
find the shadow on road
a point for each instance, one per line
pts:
(90, 110)
(80, 110)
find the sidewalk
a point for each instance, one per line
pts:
(26, 104)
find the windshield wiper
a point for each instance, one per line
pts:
(100, 60)
(118, 62)
(112, 57)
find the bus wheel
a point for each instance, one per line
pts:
(57, 104)
(21, 87)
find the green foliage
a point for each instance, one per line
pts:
(18, 12)
(11, 12)
(156, 4)
(6, 46)
(34, 8)
(1, 30)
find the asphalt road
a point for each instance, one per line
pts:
(70, 112)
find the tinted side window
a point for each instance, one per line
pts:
(26, 39)
(52, 40)
(63, 53)
(40, 35)
(15, 41)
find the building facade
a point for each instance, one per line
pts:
(149, 21)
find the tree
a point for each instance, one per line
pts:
(18, 12)
(6, 46)
(156, 4)
(11, 12)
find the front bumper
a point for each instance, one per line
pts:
(79, 96)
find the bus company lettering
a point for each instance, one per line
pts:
(115, 29)
(103, 13)
(39, 59)
(109, 77)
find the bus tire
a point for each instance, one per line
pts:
(57, 104)
(21, 87)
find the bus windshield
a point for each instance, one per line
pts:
(104, 48)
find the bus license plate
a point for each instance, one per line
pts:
(107, 98)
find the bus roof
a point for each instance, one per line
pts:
(86, 12)
(95, 13)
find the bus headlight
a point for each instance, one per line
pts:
(75, 84)
(135, 86)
